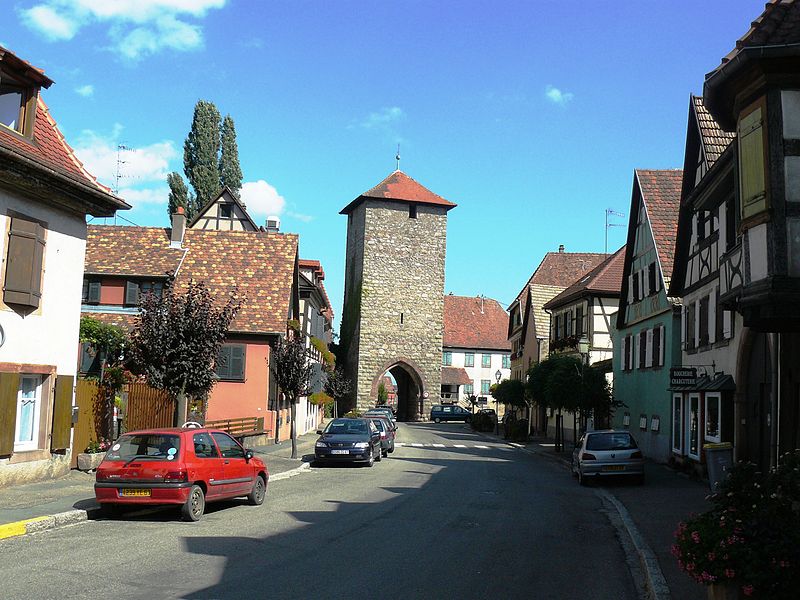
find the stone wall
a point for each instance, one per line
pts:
(400, 294)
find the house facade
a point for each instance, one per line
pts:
(736, 262)
(529, 323)
(647, 325)
(45, 196)
(475, 349)
(585, 310)
(124, 262)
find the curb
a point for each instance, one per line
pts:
(70, 517)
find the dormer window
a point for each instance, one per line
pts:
(17, 104)
(225, 211)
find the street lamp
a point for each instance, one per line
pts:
(583, 349)
(497, 376)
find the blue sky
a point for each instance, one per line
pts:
(531, 116)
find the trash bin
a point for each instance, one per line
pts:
(719, 460)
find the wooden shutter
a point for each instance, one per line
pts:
(752, 180)
(642, 349)
(237, 361)
(636, 287)
(62, 413)
(223, 366)
(23, 283)
(661, 345)
(630, 289)
(131, 292)
(648, 353)
(93, 292)
(9, 388)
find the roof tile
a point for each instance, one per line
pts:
(399, 186)
(661, 193)
(474, 322)
(604, 279)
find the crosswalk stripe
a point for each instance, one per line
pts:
(482, 447)
(438, 445)
(459, 446)
(417, 445)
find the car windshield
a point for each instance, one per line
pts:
(346, 426)
(610, 441)
(145, 445)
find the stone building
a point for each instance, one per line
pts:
(394, 293)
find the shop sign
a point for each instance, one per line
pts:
(683, 376)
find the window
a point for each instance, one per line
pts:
(154, 287)
(412, 211)
(91, 292)
(658, 357)
(486, 361)
(579, 320)
(469, 359)
(693, 443)
(23, 284)
(29, 406)
(636, 295)
(469, 389)
(568, 322)
(730, 223)
(447, 358)
(231, 362)
(131, 293)
(506, 361)
(626, 341)
(651, 278)
(689, 326)
(485, 383)
(90, 360)
(225, 211)
(712, 428)
(642, 349)
(703, 341)
(15, 105)
(228, 446)
(203, 446)
(677, 423)
(557, 327)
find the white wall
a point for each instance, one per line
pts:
(477, 373)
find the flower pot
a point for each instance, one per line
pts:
(724, 591)
(89, 462)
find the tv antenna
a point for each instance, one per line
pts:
(612, 213)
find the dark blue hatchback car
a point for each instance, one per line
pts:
(348, 440)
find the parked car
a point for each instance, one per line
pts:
(381, 411)
(348, 440)
(180, 466)
(607, 453)
(449, 412)
(388, 432)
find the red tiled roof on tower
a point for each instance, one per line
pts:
(475, 322)
(401, 187)
(661, 191)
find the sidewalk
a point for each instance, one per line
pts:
(650, 512)
(48, 504)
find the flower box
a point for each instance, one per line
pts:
(89, 462)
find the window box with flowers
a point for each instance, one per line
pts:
(92, 456)
(748, 544)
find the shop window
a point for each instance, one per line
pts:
(693, 442)
(713, 418)
(677, 423)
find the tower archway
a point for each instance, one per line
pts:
(410, 389)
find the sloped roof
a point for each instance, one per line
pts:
(226, 193)
(661, 194)
(260, 265)
(474, 322)
(455, 376)
(123, 320)
(399, 186)
(605, 279)
(315, 265)
(712, 136)
(779, 24)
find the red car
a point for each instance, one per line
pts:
(182, 466)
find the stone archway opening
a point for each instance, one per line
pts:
(408, 390)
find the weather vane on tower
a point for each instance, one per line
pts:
(397, 157)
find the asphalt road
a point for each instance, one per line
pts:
(454, 516)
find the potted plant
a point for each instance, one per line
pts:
(92, 455)
(747, 545)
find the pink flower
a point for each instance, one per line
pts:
(748, 590)
(730, 573)
(712, 557)
(690, 567)
(696, 537)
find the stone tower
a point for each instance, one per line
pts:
(394, 293)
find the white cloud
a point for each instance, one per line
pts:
(143, 170)
(262, 199)
(300, 216)
(137, 28)
(85, 90)
(50, 23)
(383, 117)
(556, 96)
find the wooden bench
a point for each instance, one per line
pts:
(240, 428)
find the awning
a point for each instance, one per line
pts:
(455, 376)
(720, 383)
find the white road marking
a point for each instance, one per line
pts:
(547, 445)
(482, 447)
(459, 446)
(417, 445)
(438, 445)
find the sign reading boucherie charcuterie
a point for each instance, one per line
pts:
(682, 376)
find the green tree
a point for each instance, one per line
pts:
(179, 196)
(201, 153)
(338, 386)
(292, 369)
(383, 395)
(510, 392)
(176, 342)
(230, 173)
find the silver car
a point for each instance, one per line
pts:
(607, 453)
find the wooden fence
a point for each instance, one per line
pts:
(85, 429)
(147, 407)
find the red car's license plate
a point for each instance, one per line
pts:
(134, 492)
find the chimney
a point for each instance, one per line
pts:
(561, 248)
(273, 224)
(178, 228)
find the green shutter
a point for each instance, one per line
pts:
(223, 362)
(131, 293)
(752, 180)
(237, 362)
(62, 413)
(93, 295)
(9, 388)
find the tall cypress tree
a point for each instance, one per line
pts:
(230, 173)
(179, 195)
(201, 153)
